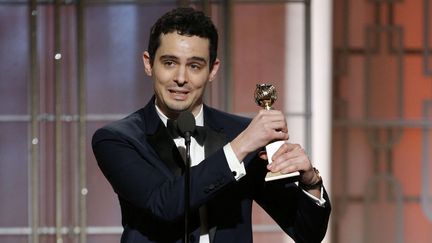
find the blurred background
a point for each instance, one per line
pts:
(353, 78)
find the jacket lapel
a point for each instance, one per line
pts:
(160, 140)
(167, 150)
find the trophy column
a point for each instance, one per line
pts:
(265, 96)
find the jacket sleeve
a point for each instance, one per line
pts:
(296, 213)
(136, 174)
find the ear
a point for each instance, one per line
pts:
(147, 63)
(214, 70)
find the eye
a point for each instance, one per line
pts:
(169, 63)
(195, 66)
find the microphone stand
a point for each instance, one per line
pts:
(186, 125)
(187, 186)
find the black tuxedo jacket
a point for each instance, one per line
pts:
(144, 167)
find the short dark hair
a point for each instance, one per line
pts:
(188, 22)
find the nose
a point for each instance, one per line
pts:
(181, 76)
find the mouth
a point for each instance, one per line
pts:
(179, 94)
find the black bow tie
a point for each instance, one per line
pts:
(199, 133)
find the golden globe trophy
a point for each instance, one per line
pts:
(265, 95)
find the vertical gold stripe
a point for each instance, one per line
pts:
(58, 122)
(82, 121)
(34, 125)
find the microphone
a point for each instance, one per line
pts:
(186, 125)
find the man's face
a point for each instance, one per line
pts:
(180, 72)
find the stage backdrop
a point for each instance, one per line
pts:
(381, 121)
(69, 67)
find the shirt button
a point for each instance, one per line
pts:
(234, 173)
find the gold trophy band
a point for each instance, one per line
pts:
(265, 95)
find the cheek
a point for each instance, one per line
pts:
(160, 82)
(201, 81)
(158, 86)
(161, 75)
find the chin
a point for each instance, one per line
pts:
(179, 107)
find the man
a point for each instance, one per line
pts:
(140, 157)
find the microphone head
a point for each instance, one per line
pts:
(186, 122)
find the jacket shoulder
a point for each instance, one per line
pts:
(128, 127)
(221, 120)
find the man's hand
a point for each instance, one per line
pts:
(290, 158)
(265, 127)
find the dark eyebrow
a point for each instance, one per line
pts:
(198, 59)
(167, 57)
(172, 57)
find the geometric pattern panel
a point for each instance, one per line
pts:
(382, 121)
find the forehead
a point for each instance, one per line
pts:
(183, 46)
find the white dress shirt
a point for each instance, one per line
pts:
(198, 155)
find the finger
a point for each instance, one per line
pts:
(275, 126)
(270, 116)
(282, 150)
(297, 156)
(290, 169)
(286, 148)
(293, 146)
(288, 166)
(263, 155)
(279, 136)
(284, 168)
